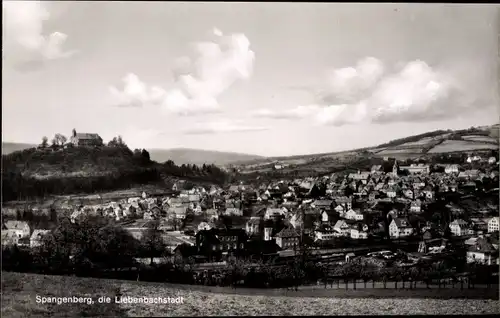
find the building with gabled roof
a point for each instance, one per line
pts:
(459, 227)
(482, 252)
(400, 227)
(287, 238)
(85, 139)
(21, 228)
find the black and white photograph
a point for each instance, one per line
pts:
(168, 158)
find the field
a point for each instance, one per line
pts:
(19, 300)
(460, 145)
(387, 152)
(481, 139)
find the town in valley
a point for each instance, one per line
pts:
(389, 213)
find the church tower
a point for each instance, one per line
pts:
(395, 168)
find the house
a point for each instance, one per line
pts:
(220, 240)
(322, 204)
(85, 139)
(296, 220)
(37, 236)
(373, 195)
(482, 252)
(197, 209)
(194, 198)
(392, 192)
(416, 206)
(287, 238)
(428, 193)
(473, 159)
(451, 169)
(204, 226)
(492, 160)
(353, 215)
(360, 176)
(179, 212)
(459, 227)
(272, 212)
(376, 168)
(493, 224)
(20, 228)
(408, 193)
(358, 235)
(252, 227)
(325, 233)
(400, 227)
(346, 202)
(340, 209)
(233, 211)
(479, 226)
(417, 168)
(9, 237)
(469, 174)
(212, 214)
(342, 228)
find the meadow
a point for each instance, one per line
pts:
(19, 293)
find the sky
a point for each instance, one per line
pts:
(270, 79)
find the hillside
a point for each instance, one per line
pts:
(198, 156)
(178, 155)
(412, 147)
(33, 173)
(19, 290)
(72, 162)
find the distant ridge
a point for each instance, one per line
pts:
(199, 156)
(415, 145)
(9, 147)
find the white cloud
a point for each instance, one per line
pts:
(136, 93)
(222, 126)
(295, 113)
(364, 95)
(23, 29)
(202, 79)
(349, 84)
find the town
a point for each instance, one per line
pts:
(405, 212)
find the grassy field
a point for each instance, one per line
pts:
(19, 293)
(461, 145)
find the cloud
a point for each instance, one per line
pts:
(350, 84)
(200, 80)
(23, 32)
(221, 126)
(367, 94)
(295, 113)
(135, 93)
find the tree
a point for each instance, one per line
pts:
(174, 222)
(113, 142)
(145, 155)
(53, 215)
(59, 139)
(45, 142)
(121, 142)
(152, 242)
